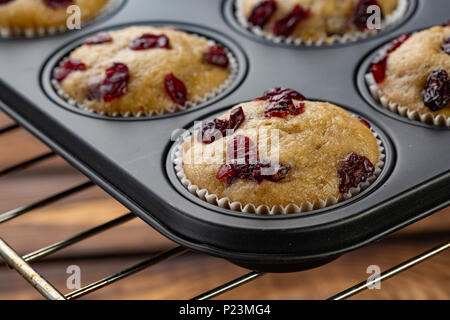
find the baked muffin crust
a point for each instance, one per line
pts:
(327, 17)
(145, 91)
(313, 144)
(409, 66)
(35, 14)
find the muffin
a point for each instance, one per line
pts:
(314, 20)
(33, 17)
(411, 76)
(144, 70)
(280, 154)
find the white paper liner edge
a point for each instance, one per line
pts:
(50, 31)
(389, 20)
(226, 203)
(428, 118)
(233, 72)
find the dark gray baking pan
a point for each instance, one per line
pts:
(130, 158)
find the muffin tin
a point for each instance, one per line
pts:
(364, 84)
(236, 76)
(182, 183)
(131, 157)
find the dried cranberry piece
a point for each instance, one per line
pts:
(285, 26)
(115, 83)
(280, 174)
(5, 1)
(276, 94)
(355, 170)
(69, 66)
(262, 12)
(360, 13)
(99, 38)
(281, 102)
(297, 109)
(212, 131)
(176, 89)
(58, 4)
(447, 24)
(241, 150)
(217, 56)
(446, 45)
(150, 41)
(397, 43)
(93, 89)
(216, 128)
(436, 93)
(242, 163)
(237, 117)
(226, 172)
(230, 173)
(378, 69)
(283, 108)
(365, 122)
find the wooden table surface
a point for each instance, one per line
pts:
(190, 274)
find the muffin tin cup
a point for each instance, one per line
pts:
(387, 22)
(38, 32)
(427, 118)
(226, 203)
(404, 111)
(233, 74)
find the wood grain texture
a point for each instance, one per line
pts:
(191, 274)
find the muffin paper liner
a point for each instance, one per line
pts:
(389, 20)
(429, 118)
(233, 71)
(226, 203)
(37, 32)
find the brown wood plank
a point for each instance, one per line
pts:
(5, 120)
(18, 145)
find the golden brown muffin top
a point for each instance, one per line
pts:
(409, 67)
(34, 14)
(327, 17)
(312, 144)
(145, 92)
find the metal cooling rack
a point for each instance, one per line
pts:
(22, 263)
